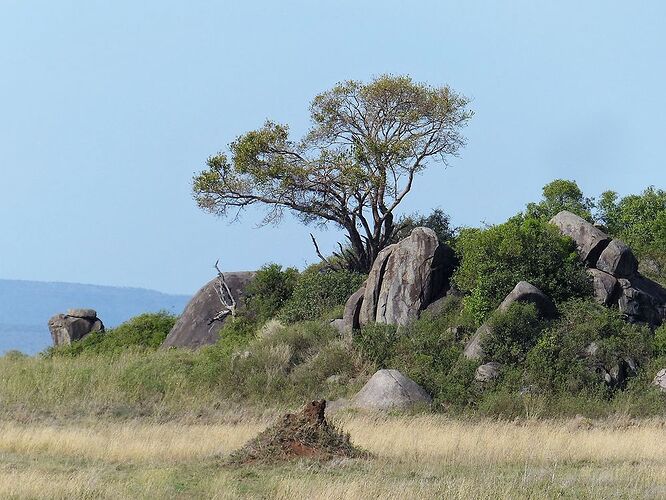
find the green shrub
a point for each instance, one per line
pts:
(559, 363)
(316, 292)
(512, 334)
(660, 341)
(146, 331)
(376, 342)
(269, 290)
(496, 258)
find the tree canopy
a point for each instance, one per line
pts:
(357, 163)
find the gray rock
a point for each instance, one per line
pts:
(196, 327)
(334, 379)
(66, 329)
(351, 316)
(390, 389)
(590, 240)
(473, 349)
(618, 259)
(660, 380)
(642, 300)
(82, 313)
(405, 278)
(606, 287)
(525, 292)
(338, 324)
(488, 372)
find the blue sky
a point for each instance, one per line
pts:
(107, 109)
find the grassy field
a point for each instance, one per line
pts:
(420, 456)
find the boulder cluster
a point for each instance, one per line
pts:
(74, 325)
(614, 270)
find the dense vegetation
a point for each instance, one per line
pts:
(282, 350)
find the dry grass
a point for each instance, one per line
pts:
(425, 456)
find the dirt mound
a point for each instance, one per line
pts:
(305, 434)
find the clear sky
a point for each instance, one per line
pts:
(108, 108)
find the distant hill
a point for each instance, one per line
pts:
(26, 306)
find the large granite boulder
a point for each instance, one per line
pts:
(618, 259)
(606, 287)
(390, 389)
(198, 325)
(405, 278)
(523, 292)
(590, 240)
(74, 325)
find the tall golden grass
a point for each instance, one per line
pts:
(415, 457)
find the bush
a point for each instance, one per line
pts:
(496, 258)
(270, 289)
(512, 334)
(146, 331)
(316, 292)
(559, 362)
(659, 347)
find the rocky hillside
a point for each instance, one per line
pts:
(26, 306)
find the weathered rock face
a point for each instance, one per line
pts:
(590, 240)
(351, 318)
(73, 326)
(614, 270)
(197, 327)
(642, 300)
(390, 389)
(618, 259)
(606, 287)
(405, 278)
(487, 372)
(523, 292)
(527, 293)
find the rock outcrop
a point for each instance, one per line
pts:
(351, 319)
(487, 372)
(390, 389)
(660, 380)
(523, 292)
(74, 325)
(614, 270)
(405, 278)
(198, 326)
(590, 240)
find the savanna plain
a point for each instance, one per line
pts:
(413, 456)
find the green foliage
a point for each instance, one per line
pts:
(523, 248)
(561, 359)
(347, 170)
(640, 221)
(270, 289)
(146, 331)
(316, 292)
(437, 220)
(512, 334)
(660, 341)
(559, 195)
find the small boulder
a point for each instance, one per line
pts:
(660, 380)
(68, 328)
(390, 389)
(338, 324)
(618, 259)
(351, 316)
(606, 287)
(527, 293)
(590, 240)
(488, 372)
(473, 349)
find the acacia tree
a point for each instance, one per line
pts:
(353, 168)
